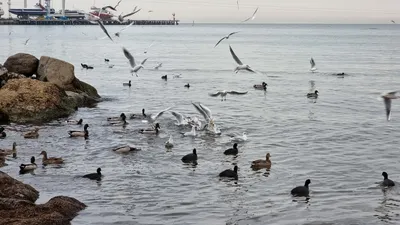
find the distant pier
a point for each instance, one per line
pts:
(85, 22)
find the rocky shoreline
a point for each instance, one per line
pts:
(38, 91)
(17, 205)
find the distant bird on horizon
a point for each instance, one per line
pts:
(134, 68)
(226, 37)
(241, 66)
(387, 99)
(252, 17)
(393, 21)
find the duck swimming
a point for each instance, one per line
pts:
(125, 149)
(260, 163)
(119, 122)
(232, 151)
(187, 85)
(139, 116)
(2, 133)
(230, 173)
(154, 130)
(262, 86)
(6, 152)
(28, 167)
(51, 160)
(74, 122)
(301, 191)
(165, 77)
(94, 176)
(190, 158)
(32, 134)
(119, 118)
(313, 95)
(84, 133)
(386, 181)
(127, 84)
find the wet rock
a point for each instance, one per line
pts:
(12, 188)
(16, 207)
(22, 63)
(62, 74)
(31, 101)
(82, 99)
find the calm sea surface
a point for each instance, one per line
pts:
(342, 143)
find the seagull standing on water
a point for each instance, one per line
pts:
(252, 17)
(387, 99)
(313, 68)
(134, 68)
(241, 66)
(224, 93)
(226, 37)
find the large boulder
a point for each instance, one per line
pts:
(62, 74)
(17, 205)
(22, 63)
(12, 188)
(32, 101)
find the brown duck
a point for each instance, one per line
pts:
(51, 160)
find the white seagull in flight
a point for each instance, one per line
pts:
(226, 37)
(252, 17)
(224, 93)
(241, 66)
(387, 99)
(134, 68)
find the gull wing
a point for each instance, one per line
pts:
(155, 116)
(215, 94)
(206, 110)
(179, 117)
(237, 92)
(233, 33)
(252, 17)
(201, 111)
(127, 26)
(104, 29)
(132, 13)
(109, 7)
(237, 60)
(312, 62)
(129, 57)
(219, 41)
(251, 70)
(388, 106)
(144, 61)
(117, 4)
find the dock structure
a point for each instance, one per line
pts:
(85, 22)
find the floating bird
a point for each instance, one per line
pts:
(32, 134)
(241, 66)
(125, 149)
(119, 32)
(119, 118)
(104, 29)
(226, 37)
(94, 176)
(74, 122)
(84, 133)
(224, 93)
(121, 17)
(187, 85)
(206, 113)
(127, 84)
(192, 133)
(119, 122)
(51, 160)
(165, 77)
(190, 158)
(387, 99)
(301, 191)
(260, 163)
(106, 60)
(252, 17)
(6, 152)
(139, 116)
(154, 130)
(111, 66)
(170, 142)
(239, 138)
(232, 151)
(84, 66)
(386, 181)
(28, 167)
(134, 68)
(230, 173)
(262, 86)
(313, 68)
(158, 66)
(313, 95)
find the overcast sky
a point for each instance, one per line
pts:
(270, 11)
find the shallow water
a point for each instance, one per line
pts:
(342, 143)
